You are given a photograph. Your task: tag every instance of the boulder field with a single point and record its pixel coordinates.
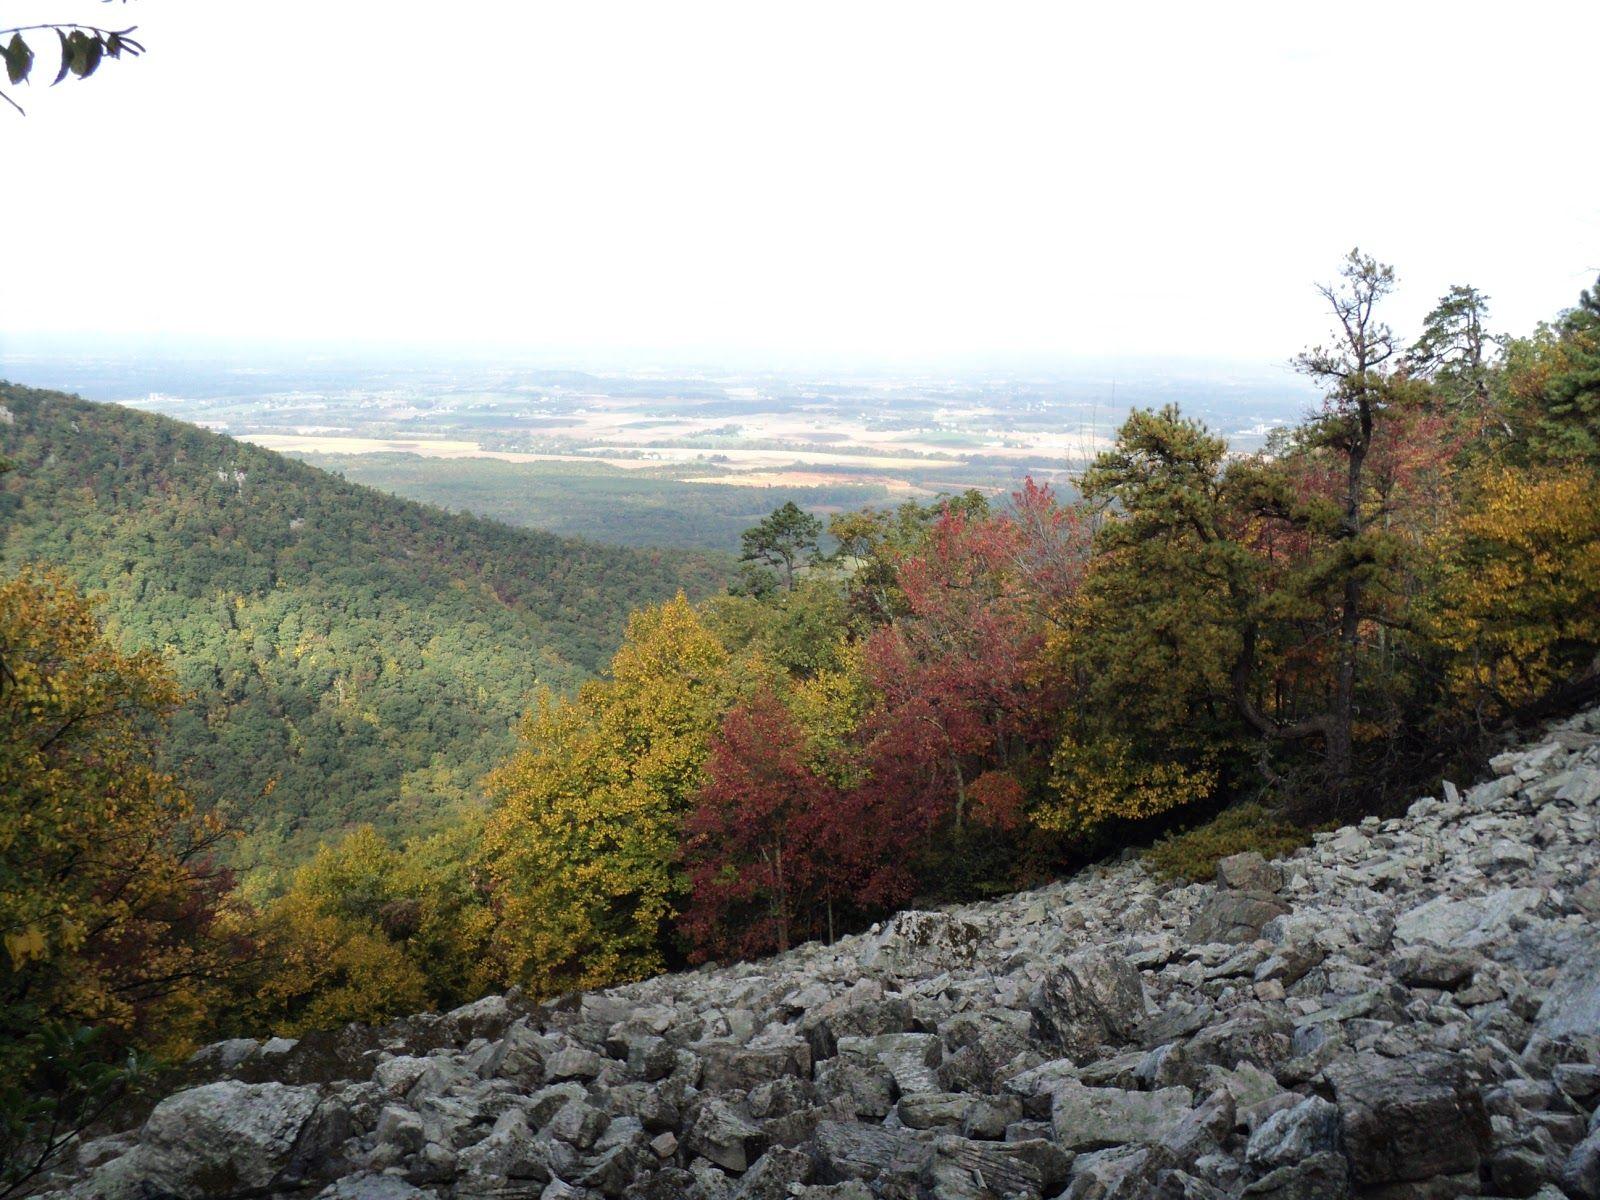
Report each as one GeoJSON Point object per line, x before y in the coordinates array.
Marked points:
{"type": "Point", "coordinates": [1407, 1008]}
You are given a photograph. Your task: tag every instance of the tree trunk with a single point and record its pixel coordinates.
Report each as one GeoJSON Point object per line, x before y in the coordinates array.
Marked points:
{"type": "Point", "coordinates": [1340, 750]}
{"type": "Point", "coordinates": [781, 902]}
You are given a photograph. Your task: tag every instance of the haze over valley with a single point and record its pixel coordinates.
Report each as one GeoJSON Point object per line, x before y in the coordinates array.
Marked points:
{"type": "Point", "coordinates": [669, 456]}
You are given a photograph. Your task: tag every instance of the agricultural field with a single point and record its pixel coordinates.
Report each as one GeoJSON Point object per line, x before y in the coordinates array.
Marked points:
{"type": "Point", "coordinates": [686, 458]}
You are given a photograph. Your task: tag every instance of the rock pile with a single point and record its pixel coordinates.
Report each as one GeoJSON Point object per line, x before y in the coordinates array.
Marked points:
{"type": "Point", "coordinates": [1406, 1009]}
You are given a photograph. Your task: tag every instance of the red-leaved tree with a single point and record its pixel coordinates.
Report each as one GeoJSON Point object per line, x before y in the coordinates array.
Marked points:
{"type": "Point", "coordinates": [776, 852]}
{"type": "Point", "coordinates": [959, 674]}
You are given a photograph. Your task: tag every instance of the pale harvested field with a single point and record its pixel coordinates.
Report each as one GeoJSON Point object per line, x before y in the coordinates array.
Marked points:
{"type": "Point", "coordinates": [457, 448]}
{"type": "Point", "coordinates": [802, 478]}
{"type": "Point", "coordinates": [291, 443]}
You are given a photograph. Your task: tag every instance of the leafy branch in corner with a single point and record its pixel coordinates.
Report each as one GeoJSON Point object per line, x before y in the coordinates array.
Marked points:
{"type": "Point", "coordinates": [58, 1086]}
{"type": "Point", "coordinates": [83, 49]}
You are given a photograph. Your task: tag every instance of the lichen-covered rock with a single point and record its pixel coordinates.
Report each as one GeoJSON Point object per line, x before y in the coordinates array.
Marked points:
{"type": "Point", "coordinates": [1292, 1135]}
{"type": "Point", "coordinates": [1088, 1118]}
{"type": "Point", "coordinates": [1094, 998]}
{"type": "Point", "coordinates": [917, 943]}
{"type": "Point", "coordinates": [1233, 917]}
{"type": "Point", "coordinates": [723, 1135]}
{"type": "Point", "coordinates": [225, 1139]}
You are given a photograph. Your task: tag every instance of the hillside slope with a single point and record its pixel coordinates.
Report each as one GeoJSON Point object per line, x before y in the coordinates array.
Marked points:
{"type": "Point", "coordinates": [352, 656]}
{"type": "Point", "coordinates": [1408, 1009]}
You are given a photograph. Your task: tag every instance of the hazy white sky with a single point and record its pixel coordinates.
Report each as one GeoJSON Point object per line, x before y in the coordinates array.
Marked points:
{"type": "Point", "coordinates": [872, 178]}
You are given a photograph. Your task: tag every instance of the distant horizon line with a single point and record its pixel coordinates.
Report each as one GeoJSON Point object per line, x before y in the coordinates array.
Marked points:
{"type": "Point", "coordinates": [218, 350]}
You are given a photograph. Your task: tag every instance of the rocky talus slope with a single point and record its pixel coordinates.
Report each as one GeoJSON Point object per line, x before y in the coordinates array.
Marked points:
{"type": "Point", "coordinates": [1407, 1008]}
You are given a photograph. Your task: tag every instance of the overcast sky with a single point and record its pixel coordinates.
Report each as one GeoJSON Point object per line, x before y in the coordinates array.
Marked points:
{"type": "Point", "coordinates": [863, 178]}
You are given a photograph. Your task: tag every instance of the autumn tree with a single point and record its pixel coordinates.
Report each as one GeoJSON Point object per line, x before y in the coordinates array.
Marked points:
{"type": "Point", "coordinates": [870, 543]}
{"type": "Point", "coordinates": [581, 851]}
{"type": "Point", "coordinates": [368, 930]}
{"type": "Point", "coordinates": [752, 842]}
{"type": "Point", "coordinates": [955, 670]}
{"type": "Point", "coordinates": [115, 930]}
{"type": "Point", "coordinates": [800, 632]}
{"type": "Point", "coordinates": [1356, 369]}
{"type": "Point", "coordinates": [1152, 640]}
{"type": "Point", "coordinates": [1456, 351]}
{"type": "Point", "coordinates": [1570, 426]}
{"type": "Point", "coordinates": [109, 908]}
{"type": "Point", "coordinates": [1518, 603]}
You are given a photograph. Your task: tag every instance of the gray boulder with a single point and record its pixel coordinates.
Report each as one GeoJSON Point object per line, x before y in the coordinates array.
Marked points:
{"type": "Point", "coordinates": [846, 1151]}
{"type": "Point", "coordinates": [1580, 1177]}
{"type": "Point", "coordinates": [1467, 923]}
{"type": "Point", "coordinates": [225, 1139]}
{"type": "Point", "coordinates": [1292, 1135]}
{"type": "Point", "coordinates": [1234, 917]}
{"type": "Point", "coordinates": [1086, 1118]}
{"type": "Point", "coordinates": [723, 1135]}
{"type": "Point", "coordinates": [916, 943]}
{"type": "Point", "coordinates": [1320, 1177]}
{"type": "Point", "coordinates": [1095, 998]}
{"type": "Point", "coordinates": [1408, 1119]}
{"type": "Point", "coordinates": [1249, 872]}
{"type": "Point", "coordinates": [1572, 1009]}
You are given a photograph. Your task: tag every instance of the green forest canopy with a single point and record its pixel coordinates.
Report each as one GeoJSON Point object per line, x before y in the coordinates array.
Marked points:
{"type": "Point", "coordinates": [618, 505]}
{"type": "Point", "coordinates": [351, 657]}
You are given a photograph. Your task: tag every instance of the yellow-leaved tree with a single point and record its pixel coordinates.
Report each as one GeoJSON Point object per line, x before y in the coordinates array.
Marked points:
{"type": "Point", "coordinates": [111, 915]}
{"type": "Point", "coordinates": [581, 849]}
{"type": "Point", "coordinates": [367, 931]}
{"type": "Point", "coordinates": [1519, 600]}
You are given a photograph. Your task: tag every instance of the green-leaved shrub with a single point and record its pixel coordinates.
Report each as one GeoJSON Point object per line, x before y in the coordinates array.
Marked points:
{"type": "Point", "coordinates": [1193, 854]}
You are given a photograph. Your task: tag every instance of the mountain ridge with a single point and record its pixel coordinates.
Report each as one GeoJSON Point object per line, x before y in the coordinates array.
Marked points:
{"type": "Point", "coordinates": [354, 656]}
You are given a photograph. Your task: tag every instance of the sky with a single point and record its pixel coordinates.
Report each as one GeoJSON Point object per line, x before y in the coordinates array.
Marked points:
{"type": "Point", "coordinates": [871, 179]}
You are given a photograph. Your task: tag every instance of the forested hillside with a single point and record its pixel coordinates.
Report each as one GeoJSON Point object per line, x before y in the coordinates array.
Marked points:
{"type": "Point", "coordinates": [351, 657]}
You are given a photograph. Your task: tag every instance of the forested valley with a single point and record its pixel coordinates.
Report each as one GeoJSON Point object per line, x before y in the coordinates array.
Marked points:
{"type": "Point", "coordinates": [1203, 652]}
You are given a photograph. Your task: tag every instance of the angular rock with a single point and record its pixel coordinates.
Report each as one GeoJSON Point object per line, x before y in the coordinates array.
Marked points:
{"type": "Point", "coordinates": [918, 943]}
{"type": "Point", "coordinates": [1467, 923]}
{"type": "Point", "coordinates": [1429, 966]}
{"type": "Point", "coordinates": [1294, 1134]}
{"type": "Point", "coordinates": [1572, 1008]}
{"type": "Point", "coordinates": [929, 1110]}
{"type": "Point", "coordinates": [720, 1133]}
{"type": "Point", "coordinates": [1408, 1119]}
{"type": "Point", "coordinates": [1119, 1173]}
{"type": "Point", "coordinates": [222, 1140]}
{"type": "Point", "coordinates": [774, 1176]}
{"type": "Point", "coordinates": [1580, 1175]}
{"type": "Point", "coordinates": [865, 1089]}
{"type": "Point", "coordinates": [1086, 1118]}
{"type": "Point", "coordinates": [1234, 917]}
{"type": "Point", "coordinates": [959, 1169]}
{"type": "Point", "coordinates": [863, 1011]}
{"type": "Point", "coordinates": [1320, 1177]}
{"type": "Point", "coordinates": [850, 1151]}
{"type": "Point", "coordinates": [1095, 998]}
{"type": "Point", "coordinates": [1249, 872]}
{"type": "Point", "coordinates": [910, 1058]}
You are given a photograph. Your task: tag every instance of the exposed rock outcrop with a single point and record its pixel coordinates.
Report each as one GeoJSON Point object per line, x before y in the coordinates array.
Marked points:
{"type": "Point", "coordinates": [1406, 1009]}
